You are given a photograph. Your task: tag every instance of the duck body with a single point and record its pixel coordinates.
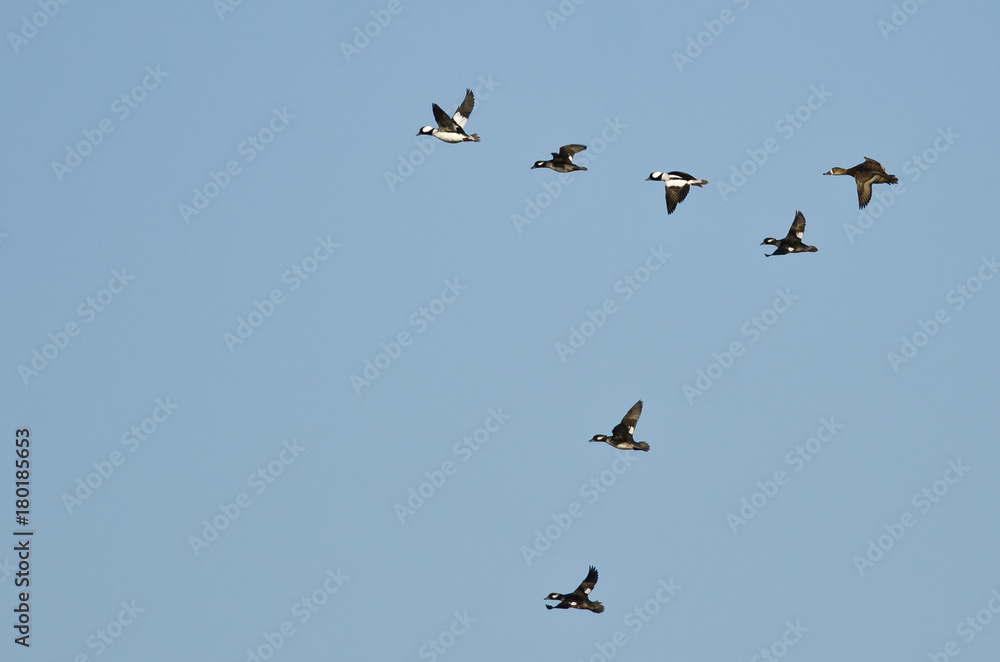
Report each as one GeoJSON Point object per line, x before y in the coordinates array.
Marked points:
{"type": "Point", "coordinates": [677, 185]}
{"type": "Point", "coordinates": [865, 174]}
{"type": "Point", "coordinates": [578, 599]}
{"type": "Point", "coordinates": [792, 242]}
{"type": "Point", "coordinates": [562, 161]}
{"type": "Point", "coordinates": [452, 129]}
{"type": "Point", "coordinates": [621, 436]}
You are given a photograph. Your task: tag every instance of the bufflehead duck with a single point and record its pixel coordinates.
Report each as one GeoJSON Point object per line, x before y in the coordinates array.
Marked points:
{"type": "Point", "coordinates": [677, 184]}
{"type": "Point", "coordinates": [563, 161]}
{"type": "Point", "coordinates": [792, 243]}
{"type": "Point", "coordinates": [578, 599]}
{"type": "Point", "coordinates": [621, 436]}
{"type": "Point", "coordinates": [452, 129]}
{"type": "Point", "coordinates": [865, 174]}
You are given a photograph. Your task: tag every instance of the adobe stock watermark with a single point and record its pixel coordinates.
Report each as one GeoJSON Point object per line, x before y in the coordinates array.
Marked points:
{"type": "Point", "coordinates": [923, 501]}
{"type": "Point", "coordinates": [562, 12]}
{"type": "Point", "coordinates": [883, 197]}
{"type": "Point", "coordinates": [636, 620]}
{"type": "Point", "coordinates": [779, 647]}
{"type": "Point", "coordinates": [969, 628]}
{"type": "Point", "coordinates": [958, 296]}
{"type": "Point", "coordinates": [302, 610]}
{"type": "Point", "coordinates": [898, 17]}
{"type": "Point", "coordinates": [625, 288]}
{"type": "Point", "coordinates": [592, 490]}
{"type": "Point", "coordinates": [131, 439]}
{"type": "Point", "coordinates": [363, 35]}
{"type": "Point", "coordinates": [426, 146]}
{"type": "Point", "coordinates": [786, 126]}
{"type": "Point", "coordinates": [250, 148]}
{"type": "Point", "coordinates": [553, 188]}
{"type": "Point", "coordinates": [122, 107]}
{"type": "Point", "coordinates": [753, 329]}
{"type": "Point", "coordinates": [465, 448]}
{"type": "Point", "coordinates": [440, 644]}
{"type": "Point", "coordinates": [293, 277]}
{"type": "Point", "coordinates": [768, 488]}
{"type": "Point", "coordinates": [37, 21]}
{"type": "Point", "coordinates": [223, 7]}
{"type": "Point", "coordinates": [87, 310]}
{"type": "Point", "coordinates": [104, 638]}
{"type": "Point", "coordinates": [705, 38]}
{"type": "Point", "coordinates": [259, 481]}
{"type": "Point", "coordinates": [420, 319]}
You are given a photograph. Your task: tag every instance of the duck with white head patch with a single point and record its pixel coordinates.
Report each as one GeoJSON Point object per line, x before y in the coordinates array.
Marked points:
{"type": "Point", "coordinates": [562, 161]}
{"type": "Point", "coordinates": [621, 435]}
{"type": "Point", "coordinates": [792, 243]}
{"type": "Point", "coordinates": [452, 129]}
{"type": "Point", "coordinates": [677, 185]}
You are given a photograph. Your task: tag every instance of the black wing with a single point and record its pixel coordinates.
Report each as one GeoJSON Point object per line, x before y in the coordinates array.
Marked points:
{"type": "Point", "coordinates": [566, 152]}
{"type": "Point", "coordinates": [675, 195]}
{"type": "Point", "coordinates": [461, 115]}
{"type": "Point", "coordinates": [588, 584]}
{"type": "Point", "coordinates": [798, 227]}
{"type": "Point", "coordinates": [632, 417]}
{"type": "Point", "coordinates": [445, 123]}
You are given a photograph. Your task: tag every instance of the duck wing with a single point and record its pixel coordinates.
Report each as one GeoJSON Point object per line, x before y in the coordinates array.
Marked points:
{"type": "Point", "coordinates": [444, 122]}
{"type": "Point", "coordinates": [676, 192]}
{"type": "Point", "coordinates": [632, 417]}
{"type": "Point", "coordinates": [798, 227]}
{"type": "Point", "coordinates": [588, 584]}
{"type": "Point", "coordinates": [461, 115]}
{"type": "Point", "coordinates": [566, 152]}
{"type": "Point", "coordinates": [872, 164]}
{"type": "Point", "coordinates": [865, 181]}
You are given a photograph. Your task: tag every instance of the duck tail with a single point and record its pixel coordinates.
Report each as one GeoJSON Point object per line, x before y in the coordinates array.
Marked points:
{"type": "Point", "coordinates": [474, 137]}
{"type": "Point", "coordinates": [698, 182]}
{"type": "Point", "coordinates": [642, 446]}
{"type": "Point", "coordinates": [597, 608]}
{"type": "Point", "coordinates": [891, 179]}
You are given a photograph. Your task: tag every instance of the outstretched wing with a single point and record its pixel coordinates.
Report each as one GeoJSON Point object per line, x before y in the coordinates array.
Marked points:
{"type": "Point", "coordinates": [567, 151]}
{"type": "Point", "coordinates": [798, 227]}
{"type": "Point", "coordinates": [632, 417]}
{"type": "Point", "coordinates": [461, 115]}
{"type": "Point", "coordinates": [588, 584]}
{"type": "Point", "coordinates": [675, 194]}
{"type": "Point", "coordinates": [865, 188]}
{"type": "Point", "coordinates": [444, 122]}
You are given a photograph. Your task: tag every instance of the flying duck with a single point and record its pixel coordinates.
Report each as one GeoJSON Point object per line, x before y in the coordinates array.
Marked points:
{"type": "Point", "coordinates": [578, 599]}
{"type": "Point", "coordinates": [452, 129]}
{"type": "Point", "coordinates": [677, 184]}
{"type": "Point", "coordinates": [621, 436]}
{"type": "Point", "coordinates": [865, 174]}
{"type": "Point", "coordinates": [792, 243]}
{"type": "Point", "coordinates": [563, 161]}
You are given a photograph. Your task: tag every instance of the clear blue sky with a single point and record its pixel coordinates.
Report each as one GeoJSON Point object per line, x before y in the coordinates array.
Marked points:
{"type": "Point", "coordinates": [240, 292]}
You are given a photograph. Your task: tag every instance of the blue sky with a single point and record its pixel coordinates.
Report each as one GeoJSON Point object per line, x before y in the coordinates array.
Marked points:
{"type": "Point", "coordinates": [303, 385]}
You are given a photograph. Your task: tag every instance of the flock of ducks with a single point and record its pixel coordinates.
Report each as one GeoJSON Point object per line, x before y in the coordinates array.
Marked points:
{"type": "Point", "coordinates": [677, 184]}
